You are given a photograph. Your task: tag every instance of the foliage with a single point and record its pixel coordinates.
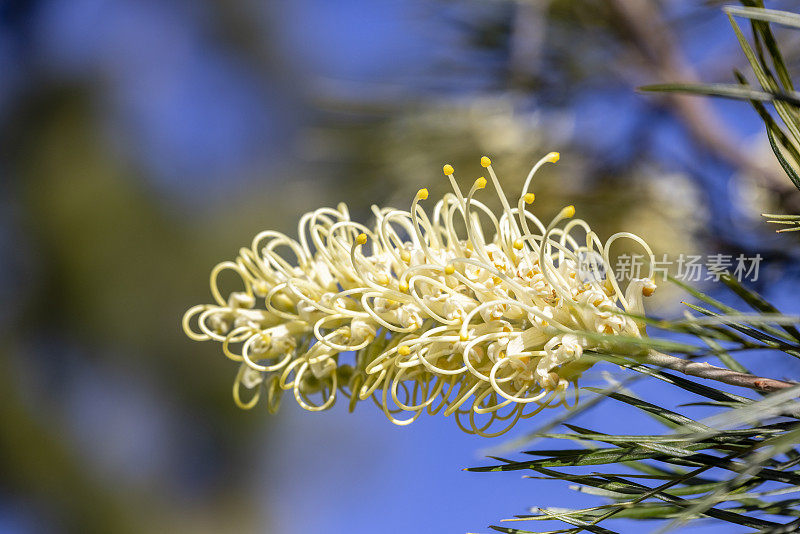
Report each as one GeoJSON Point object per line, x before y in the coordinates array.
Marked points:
{"type": "Point", "coordinates": [737, 466]}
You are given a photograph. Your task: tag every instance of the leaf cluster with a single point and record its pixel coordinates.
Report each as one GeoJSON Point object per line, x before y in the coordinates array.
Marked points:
{"type": "Point", "coordinates": [738, 466]}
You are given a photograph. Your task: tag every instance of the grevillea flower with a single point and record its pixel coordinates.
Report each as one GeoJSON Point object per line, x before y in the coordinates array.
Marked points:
{"type": "Point", "coordinates": [423, 312]}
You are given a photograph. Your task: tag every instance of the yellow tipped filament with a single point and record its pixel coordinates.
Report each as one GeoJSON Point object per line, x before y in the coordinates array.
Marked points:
{"type": "Point", "coordinates": [361, 239]}
{"type": "Point", "coordinates": [553, 157]}
{"type": "Point", "coordinates": [403, 350]}
{"type": "Point", "coordinates": [529, 198]}
{"type": "Point", "coordinates": [422, 194]}
{"type": "Point", "coordinates": [405, 256]}
{"type": "Point", "coordinates": [485, 161]}
{"type": "Point", "coordinates": [448, 170]}
{"type": "Point", "coordinates": [449, 269]}
{"type": "Point", "coordinates": [569, 211]}
{"type": "Point", "coordinates": [480, 183]}
{"type": "Point", "coordinates": [403, 287]}
{"type": "Point", "coordinates": [518, 244]}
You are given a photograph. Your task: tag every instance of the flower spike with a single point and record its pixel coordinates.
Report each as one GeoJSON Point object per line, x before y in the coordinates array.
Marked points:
{"type": "Point", "coordinates": [487, 325]}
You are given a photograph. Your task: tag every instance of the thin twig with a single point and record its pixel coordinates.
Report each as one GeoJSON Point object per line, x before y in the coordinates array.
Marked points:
{"type": "Point", "coordinates": [712, 372]}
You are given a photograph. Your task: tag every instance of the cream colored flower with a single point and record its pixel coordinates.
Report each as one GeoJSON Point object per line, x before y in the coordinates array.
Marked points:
{"type": "Point", "coordinates": [423, 311]}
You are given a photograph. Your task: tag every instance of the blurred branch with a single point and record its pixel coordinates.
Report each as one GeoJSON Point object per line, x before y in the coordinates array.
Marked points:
{"type": "Point", "coordinates": [655, 42]}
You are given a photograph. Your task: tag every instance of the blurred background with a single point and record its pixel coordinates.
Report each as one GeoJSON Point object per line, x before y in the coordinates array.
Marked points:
{"type": "Point", "coordinates": [143, 141]}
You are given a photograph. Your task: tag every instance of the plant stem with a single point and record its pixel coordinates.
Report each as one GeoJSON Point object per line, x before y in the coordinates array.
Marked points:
{"type": "Point", "coordinates": [712, 372]}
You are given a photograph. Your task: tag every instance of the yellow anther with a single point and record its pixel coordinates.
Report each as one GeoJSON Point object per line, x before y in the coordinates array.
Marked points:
{"type": "Point", "coordinates": [496, 280]}
{"type": "Point", "coordinates": [266, 338]}
{"type": "Point", "coordinates": [403, 350]}
{"type": "Point", "coordinates": [403, 287]}
{"type": "Point", "coordinates": [480, 183]}
{"type": "Point", "coordinates": [448, 170]}
{"type": "Point", "coordinates": [648, 291]}
{"type": "Point", "coordinates": [422, 194]}
{"type": "Point", "coordinates": [529, 198]}
{"type": "Point", "coordinates": [569, 211]}
{"type": "Point", "coordinates": [361, 239]}
{"type": "Point", "coordinates": [485, 161]}
{"type": "Point", "coordinates": [382, 279]}
{"type": "Point", "coordinates": [260, 288]}
{"type": "Point", "coordinates": [552, 157]}
{"type": "Point", "coordinates": [449, 269]}
{"type": "Point", "coordinates": [463, 337]}
{"type": "Point", "coordinates": [518, 244]}
{"type": "Point", "coordinates": [405, 256]}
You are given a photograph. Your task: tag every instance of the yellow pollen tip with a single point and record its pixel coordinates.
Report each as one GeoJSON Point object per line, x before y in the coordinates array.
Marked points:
{"type": "Point", "coordinates": [449, 269]}
{"type": "Point", "coordinates": [422, 194]}
{"type": "Point", "coordinates": [569, 211]}
{"type": "Point", "coordinates": [405, 256]}
{"type": "Point", "coordinates": [403, 350]}
{"type": "Point", "coordinates": [485, 161]}
{"type": "Point", "coordinates": [448, 170]}
{"type": "Point", "coordinates": [648, 291]}
{"type": "Point", "coordinates": [529, 198]}
{"type": "Point", "coordinates": [518, 244]}
{"type": "Point", "coordinates": [552, 157]}
{"type": "Point", "coordinates": [361, 239]}
{"type": "Point", "coordinates": [403, 287]}
{"type": "Point", "coordinates": [463, 337]}
{"type": "Point", "coordinates": [480, 183]}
